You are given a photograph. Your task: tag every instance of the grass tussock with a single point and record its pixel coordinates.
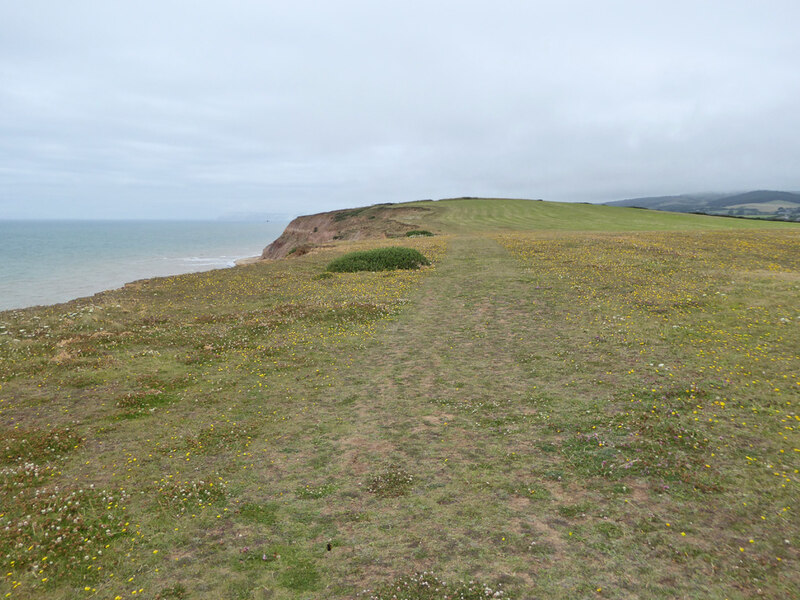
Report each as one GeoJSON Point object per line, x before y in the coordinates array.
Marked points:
{"type": "Point", "coordinates": [20, 445]}
{"type": "Point", "coordinates": [187, 496]}
{"type": "Point", "coordinates": [379, 259]}
{"type": "Point", "coordinates": [427, 586]}
{"type": "Point", "coordinates": [54, 533]}
{"type": "Point", "coordinates": [391, 482]}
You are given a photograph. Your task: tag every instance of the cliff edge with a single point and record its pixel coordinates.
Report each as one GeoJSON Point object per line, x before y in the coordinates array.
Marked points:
{"type": "Point", "coordinates": [369, 222]}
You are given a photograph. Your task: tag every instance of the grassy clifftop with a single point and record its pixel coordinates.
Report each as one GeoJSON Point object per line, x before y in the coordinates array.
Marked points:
{"type": "Point", "coordinates": [461, 215]}
{"type": "Point", "coordinates": [569, 402]}
{"type": "Point", "coordinates": [482, 214]}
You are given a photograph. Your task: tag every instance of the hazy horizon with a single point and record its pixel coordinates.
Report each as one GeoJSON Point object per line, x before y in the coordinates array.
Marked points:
{"type": "Point", "coordinates": [286, 218]}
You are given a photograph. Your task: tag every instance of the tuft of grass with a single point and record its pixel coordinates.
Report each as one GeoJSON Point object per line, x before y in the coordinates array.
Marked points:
{"type": "Point", "coordinates": [59, 533]}
{"type": "Point", "coordinates": [23, 475]}
{"type": "Point", "coordinates": [572, 511]}
{"type": "Point", "coordinates": [265, 514]}
{"type": "Point", "coordinates": [176, 592]}
{"type": "Point", "coordinates": [392, 482]}
{"type": "Point", "coordinates": [311, 492]}
{"type": "Point", "coordinates": [418, 233]}
{"type": "Point", "coordinates": [379, 259]}
{"type": "Point", "coordinates": [427, 586]}
{"type": "Point", "coordinates": [215, 438]}
{"type": "Point", "coordinates": [141, 404]}
{"type": "Point", "coordinates": [292, 567]}
{"type": "Point", "coordinates": [187, 496]}
{"type": "Point", "coordinates": [299, 575]}
{"type": "Point", "coordinates": [21, 445]}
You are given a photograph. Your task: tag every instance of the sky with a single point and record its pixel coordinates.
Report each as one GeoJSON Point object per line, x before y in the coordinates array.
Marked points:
{"type": "Point", "coordinates": [199, 108]}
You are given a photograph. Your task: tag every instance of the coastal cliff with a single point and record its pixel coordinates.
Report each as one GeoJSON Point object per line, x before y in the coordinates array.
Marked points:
{"type": "Point", "coordinates": [370, 222]}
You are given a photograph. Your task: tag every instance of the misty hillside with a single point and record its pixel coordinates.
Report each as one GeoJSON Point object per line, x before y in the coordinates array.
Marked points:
{"type": "Point", "coordinates": [757, 204]}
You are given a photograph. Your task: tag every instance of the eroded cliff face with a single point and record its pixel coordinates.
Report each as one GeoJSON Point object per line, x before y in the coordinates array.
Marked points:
{"type": "Point", "coordinates": [371, 222]}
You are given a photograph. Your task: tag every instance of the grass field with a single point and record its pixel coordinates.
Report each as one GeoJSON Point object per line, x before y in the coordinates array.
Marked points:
{"type": "Point", "coordinates": [570, 402]}
{"type": "Point", "coordinates": [469, 215]}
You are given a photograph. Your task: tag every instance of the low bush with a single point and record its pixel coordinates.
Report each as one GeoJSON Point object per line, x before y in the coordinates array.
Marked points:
{"type": "Point", "coordinates": [380, 259]}
{"type": "Point", "coordinates": [418, 233]}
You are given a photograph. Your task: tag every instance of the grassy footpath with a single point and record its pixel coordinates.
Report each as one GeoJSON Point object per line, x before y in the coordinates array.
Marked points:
{"type": "Point", "coordinates": [547, 415]}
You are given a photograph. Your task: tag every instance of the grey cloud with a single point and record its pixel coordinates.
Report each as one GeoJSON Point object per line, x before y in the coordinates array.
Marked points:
{"type": "Point", "coordinates": [198, 108]}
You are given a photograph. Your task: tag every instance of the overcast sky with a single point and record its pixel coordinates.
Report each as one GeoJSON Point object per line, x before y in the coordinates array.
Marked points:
{"type": "Point", "coordinates": [193, 109]}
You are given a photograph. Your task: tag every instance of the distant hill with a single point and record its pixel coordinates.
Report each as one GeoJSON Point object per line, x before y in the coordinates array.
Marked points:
{"type": "Point", "coordinates": [764, 204]}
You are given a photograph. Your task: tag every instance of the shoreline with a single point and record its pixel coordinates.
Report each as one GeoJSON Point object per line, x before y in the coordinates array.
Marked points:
{"type": "Point", "coordinates": [238, 262]}
{"type": "Point", "coordinates": [248, 260]}
{"type": "Point", "coordinates": [46, 264]}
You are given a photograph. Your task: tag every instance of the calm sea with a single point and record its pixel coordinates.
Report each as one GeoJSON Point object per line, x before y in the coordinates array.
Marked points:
{"type": "Point", "coordinates": [44, 262]}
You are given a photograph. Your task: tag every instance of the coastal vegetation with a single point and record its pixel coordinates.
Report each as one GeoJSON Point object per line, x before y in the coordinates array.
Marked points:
{"type": "Point", "coordinates": [378, 259]}
{"type": "Point", "coordinates": [571, 401]}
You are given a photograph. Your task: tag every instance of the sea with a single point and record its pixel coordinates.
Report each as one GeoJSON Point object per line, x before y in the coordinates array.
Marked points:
{"type": "Point", "coordinates": [47, 262]}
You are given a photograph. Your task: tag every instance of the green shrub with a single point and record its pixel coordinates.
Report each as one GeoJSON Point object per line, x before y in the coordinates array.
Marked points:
{"type": "Point", "coordinates": [380, 259]}
{"type": "Point", "coordinates": [418, 233]}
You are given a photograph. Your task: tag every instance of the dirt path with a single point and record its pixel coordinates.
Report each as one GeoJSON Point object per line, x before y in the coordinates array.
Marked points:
{"type": "Point", "coordinates": [450, 398]}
